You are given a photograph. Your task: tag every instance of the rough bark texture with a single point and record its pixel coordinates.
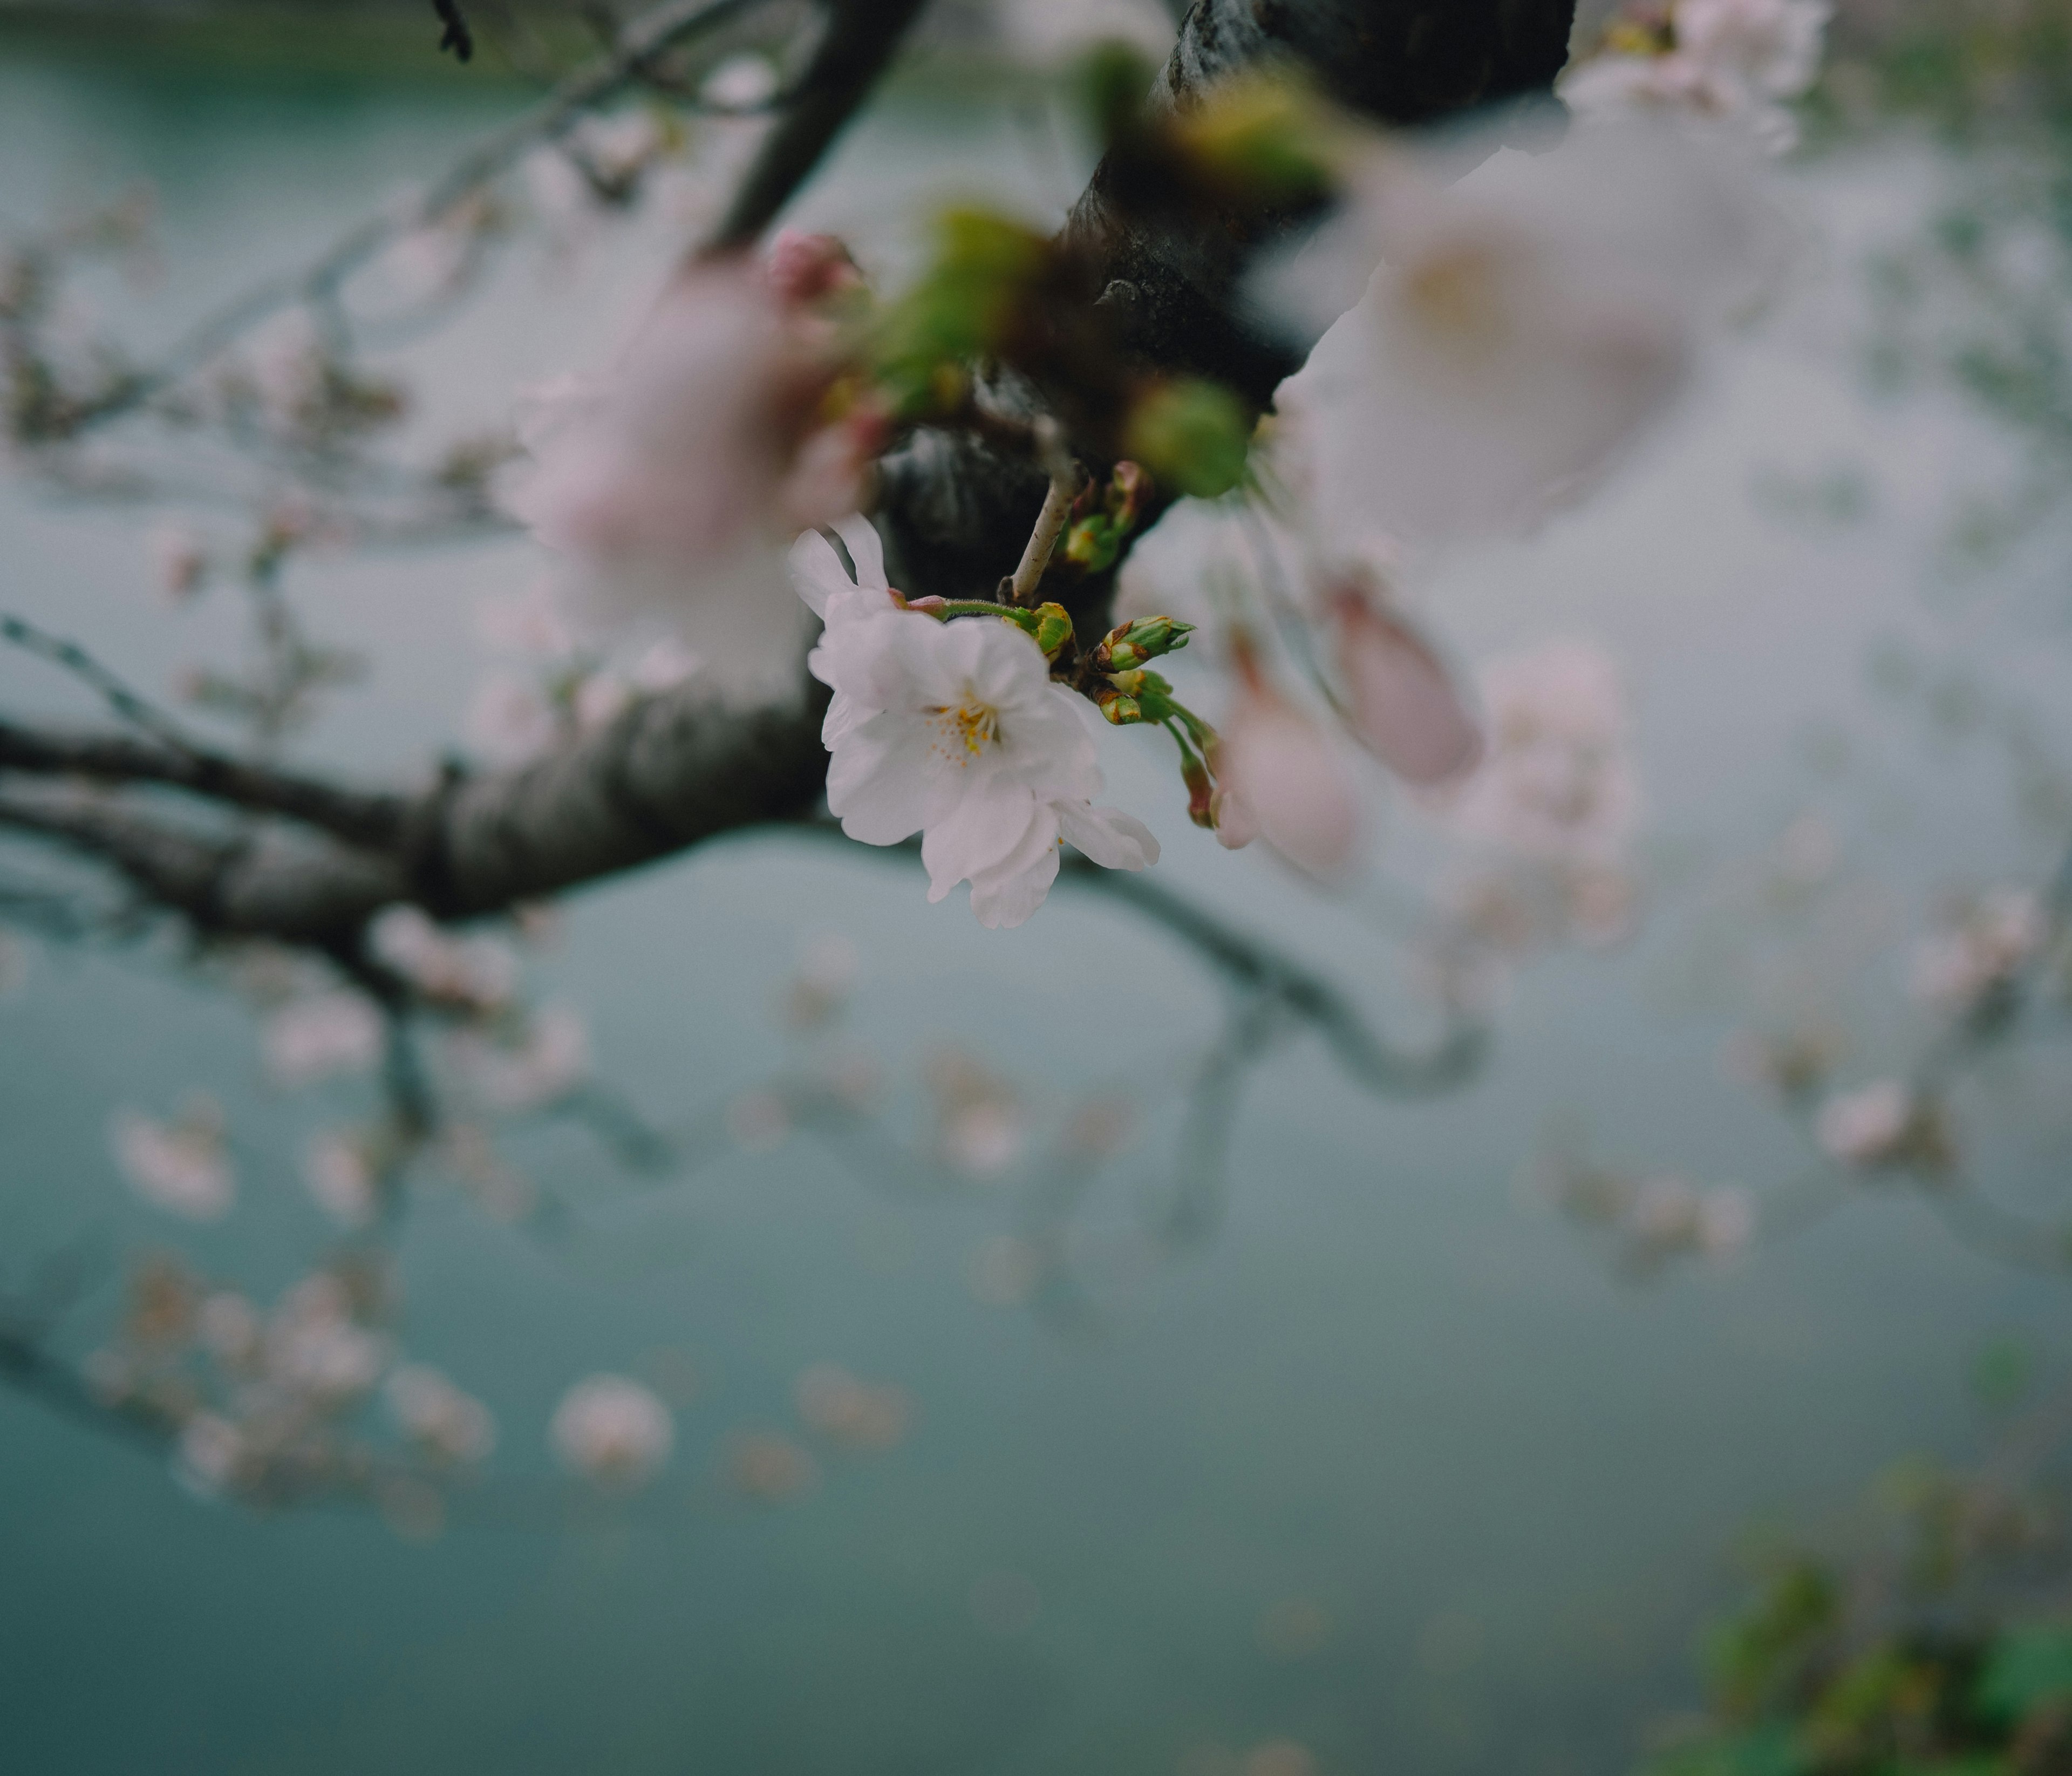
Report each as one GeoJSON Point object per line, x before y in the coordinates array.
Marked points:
{"type": "Point", "coordinates": [675, 770]}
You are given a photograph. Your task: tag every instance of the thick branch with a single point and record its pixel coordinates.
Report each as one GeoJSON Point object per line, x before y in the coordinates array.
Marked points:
{"type": "Point", "coordinates": [672, 771]}
{"type": "Point", "coordinates": [360, 817]}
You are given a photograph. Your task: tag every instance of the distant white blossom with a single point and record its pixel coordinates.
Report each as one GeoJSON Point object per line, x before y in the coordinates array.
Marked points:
{"type": "Point", "coordinates": [1987, 944]}
{"type": "Point", "coordinates": [315, 1346]}
{"type": "Point", "coordinates": [209, 1455]}
{"type": "Point", "coordinates": [528, 623]}
{"type": "Point", "coordinates": [1868, 1127]}
{"type": "Point", "coordinates": [179, 560]}
{"type": "Point", "coordinates": [183, 1167]}
{"type": "Point", "coordinates": [447, 1423]}
{"type": "Point", "coordinates": [541, 1060]}
{"type": "Point", "coordinates": [476, 972]}
{"type": "Point", "coordinates": [316, 1037]}
{"type": "Point", "coordinates": [341, 1176]}
{"type": "Point", "coordinates": [613, 1430]}
{"type": "Point", "coordinates": [228, 1327]}
{"type": "Point", "coordinates": [1558, 781]}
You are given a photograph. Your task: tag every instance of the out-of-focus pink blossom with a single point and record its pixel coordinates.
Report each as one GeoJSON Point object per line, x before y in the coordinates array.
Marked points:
{"type": "Point", "coordinates": [1530, 317]}
{"type": "Point", "coordinates": [613, 1430]}
{"type": "Point", "coordinates": [1279, 776]}
{"type": "Point", "coordinates": [1404, 706]}
{"type": "Point", "coordinates": [183, 1167]}
{"type": "Point", "coordinates": [674, 485]}
{"type": "Point", "coordinates": [179, 561]}
{"type": "Point", "coordinates": [313, 1038]}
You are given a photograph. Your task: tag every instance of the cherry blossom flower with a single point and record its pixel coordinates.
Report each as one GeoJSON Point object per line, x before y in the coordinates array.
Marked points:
{"type": "Point", "coordinates": [1989, 944]}
{"type": "Point", "coordinates": [1279, 777]}
{"type": "Point", "coordinates": [209, 1454]}
{"type": "Point", "coordinates": [341, 1178]}
{"type": "Point", "coordinates": [182, 1167]}
{"type": "Point", "coordinates": [672, 485]}
{"type": "Point", "coordinates": [543, 1059]}
{"type": "Point", "coordinates": [768, 1466]}
{"type": "Point", "coordinates": [605, 695]}
{"type": "Point", "coordinates": [448, 1424]}
{"type": "Point", "coordinates": [1772, 46]}
{"type": "Point", "coordinates": [954, 731]}
{"type": "Point", "coordinates": [1558, 783]}
{"type": "Point", "coordinates": [1872, 1126]}
{"type": "Point", "coordinates": [229, 1329]}
{"type": "Point", "coordinates": [179, 561]}
{"type": "Point", "coordinates": [1402, 704]}
{"type": "Point", "coordinates": [613, 1430]}
{"type": "Point", "coordinates": [473, 973]}
{"type": "Point", "coordinates": [857, 1415]}
{"type": "Point", "coordinates": [316, 1037]}
{"type": "Point", "coordinates": [315, 1347]}
{"type": "Point", "coordinates": [1529, 320]}
{"type": "Point", "coordinates": [1727, 61]}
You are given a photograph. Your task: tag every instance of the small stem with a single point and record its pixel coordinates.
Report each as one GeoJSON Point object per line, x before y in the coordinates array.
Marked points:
{"type": "Point", "coordinates": [1050, 522]}
{"type": "Point", "coordinates": [970, 607]}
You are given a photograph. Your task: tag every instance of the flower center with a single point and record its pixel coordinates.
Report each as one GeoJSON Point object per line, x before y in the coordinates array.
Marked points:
{"type": "Point", "coordinates": [966, 729]}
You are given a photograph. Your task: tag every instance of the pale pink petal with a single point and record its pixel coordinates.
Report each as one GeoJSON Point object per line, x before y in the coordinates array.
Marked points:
{"type": "Point", "coordinates": [1404, 709]}
{"type": "Point", "coordinates": [1107, 836]}
{"type": "Point", "coordinates": [1281, 766]}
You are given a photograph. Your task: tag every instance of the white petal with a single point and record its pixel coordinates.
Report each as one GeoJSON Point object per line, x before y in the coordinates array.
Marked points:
{"type": "Point", "coordinates": [881, 780]}
{"type": "Point", "coordinates": [816, 572]}
{"type": "Point", "coordinates": [861, 539]}
{"type": "Point", "coordinates": [990, 824]}
{"type": "Point", "coordinates": [1005, 896]}
{"type": "Point", "coordinates": [1110, 838]}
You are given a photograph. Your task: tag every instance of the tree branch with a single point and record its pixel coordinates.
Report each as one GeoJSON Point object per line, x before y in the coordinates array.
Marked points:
{"type": "Point", "coordinates": [862, 37]}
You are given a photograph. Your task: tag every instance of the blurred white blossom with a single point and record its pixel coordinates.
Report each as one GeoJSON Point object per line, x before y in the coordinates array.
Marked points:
{"type": "Point", "coordinates": [510, 721]}
{"type": "Point", "coordinates": [342, 1177]}
{"type": "Point", "coordinates": [1558, 781]}
{"type": "Point", "coordinates": [474, 972]}
{"type": "Point", "coordinates": [449, 1425]}
{"type": "Point", "coordinates": [315, 1038]}
{"type": "Point", "coordinates": [183, 1167]}
{"type": "Point", "coordinates": [1871, 1126]}
{"type": "Point", "coordinates": [1528, 319]}
{"type": "Point", "coordinates": [542, 1058]}
{"type": "Point", "coordinates": [671, 487]}
{"type": "Point", "coordinates": [1985, 945]}
{"type": "Point", "coordinates": [1724, 61]}
{"type": "Point", "coordinates": [613, 1430]}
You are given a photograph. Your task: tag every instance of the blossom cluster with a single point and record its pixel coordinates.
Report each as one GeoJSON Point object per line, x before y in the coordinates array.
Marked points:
{"type": "Point", "coordinates": [1497, 329]}
{"type": "Point", "coordinates": [1732, 62]}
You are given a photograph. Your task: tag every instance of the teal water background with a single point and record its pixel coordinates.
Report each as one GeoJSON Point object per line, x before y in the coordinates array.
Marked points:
{"type": "Point", "coordinates": [1509, 1480]}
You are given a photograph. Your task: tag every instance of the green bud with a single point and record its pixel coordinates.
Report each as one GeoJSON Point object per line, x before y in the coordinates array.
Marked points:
{"type": "Point", "coordinates": [1140, 639]}
{"type": "Point", "coordinates": [1048, 626]}
{"type": "Point", "coordinates": [1052, 630]}
{"type": "Point", "coordinates": [1192, 434]}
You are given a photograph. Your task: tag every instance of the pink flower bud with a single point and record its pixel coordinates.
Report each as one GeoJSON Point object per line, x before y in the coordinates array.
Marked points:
{"type": "Point", "coordinates": [1405, 709]}
{"type": "Point", "coordinates": [802, 268]}
{"type": "Point", "coordinates": [1280, 778]}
